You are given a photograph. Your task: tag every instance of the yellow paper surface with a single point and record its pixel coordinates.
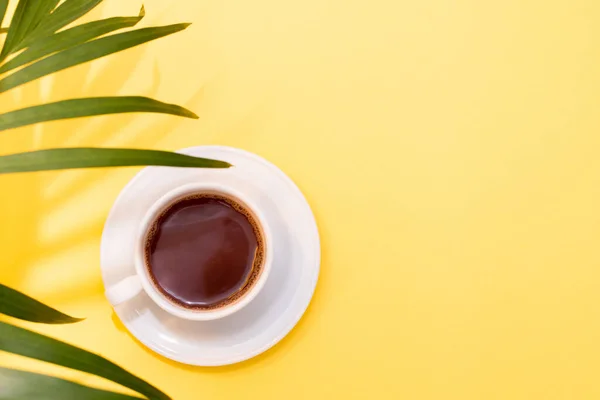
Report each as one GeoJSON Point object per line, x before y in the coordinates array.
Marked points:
{"type": "Point", "coordinates": [449, 149]}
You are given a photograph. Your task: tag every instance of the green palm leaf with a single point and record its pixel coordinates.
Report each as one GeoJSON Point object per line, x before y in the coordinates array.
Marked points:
{"type": "Point", "coordinates": [86, 52]}
{"type": "Point", "coordinates": [38, 11]}
{"type": "Point", "coordinates": [3, 7]}
{"type": "Point", "coordinates": [30, 344]}
{"type": "Point", "coordinates": [28, 15]}
{"type": "Point", "coordinates": [55, 159]}
{"type": "Point", "coordinates": [21, 306]}
{"type": "Point", "coordinates": [69, 38]}
{"type": "Point", "coordinates": [21, 385]}
{"type": "Point", "coordinates": [88, 107]}
{"type": "Point", "coordinates": [66, 13]}
{"type": "Point", "coordinates": [15, 27]}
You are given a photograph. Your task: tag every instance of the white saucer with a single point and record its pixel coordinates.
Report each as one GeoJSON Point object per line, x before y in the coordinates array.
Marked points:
{"type": "Point", "coordinates": [277, 308]}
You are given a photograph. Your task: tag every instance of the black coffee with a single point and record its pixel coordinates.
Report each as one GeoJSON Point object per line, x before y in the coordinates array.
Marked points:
{"type": "Point", "coordinates": [204, 251]}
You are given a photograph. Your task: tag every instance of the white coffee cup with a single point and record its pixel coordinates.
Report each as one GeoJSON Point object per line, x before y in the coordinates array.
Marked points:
{"type": "Point", "coordinates": [131, 286]}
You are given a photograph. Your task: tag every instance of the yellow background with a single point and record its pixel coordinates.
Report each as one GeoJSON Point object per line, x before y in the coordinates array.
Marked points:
{"type": "Point", "coordinates": [449, 149]}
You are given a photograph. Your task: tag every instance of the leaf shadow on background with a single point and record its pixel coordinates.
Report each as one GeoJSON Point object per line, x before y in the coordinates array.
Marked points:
{"type": "Point", "coordinates": [74, 190]}
{"type": "Point", "coordinates": [120, 69]}
{"type": "Point", "coordinates": [64, 186]}
{"type": "Point", "coordinates": [11, 212]}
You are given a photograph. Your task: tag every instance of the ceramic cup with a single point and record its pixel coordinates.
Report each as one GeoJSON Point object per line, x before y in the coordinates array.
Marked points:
{"type": "Point", "coordinates": [131, 286]}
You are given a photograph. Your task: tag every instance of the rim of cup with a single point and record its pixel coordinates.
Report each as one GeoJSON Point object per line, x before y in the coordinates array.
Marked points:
{"type": "Point", "coordinates": [143, 273]}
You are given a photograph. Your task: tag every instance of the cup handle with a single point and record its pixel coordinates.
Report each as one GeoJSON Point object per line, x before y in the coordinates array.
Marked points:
{"type": "Point", "coordinates": [123, 291]}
